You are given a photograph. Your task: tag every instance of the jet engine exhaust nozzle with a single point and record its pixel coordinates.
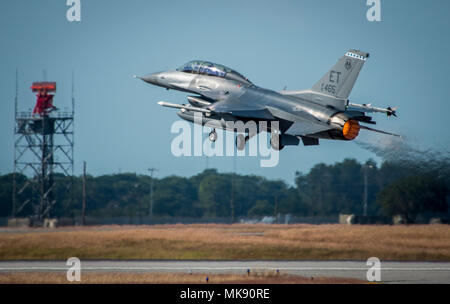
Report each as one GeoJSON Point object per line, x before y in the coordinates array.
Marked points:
{"type": "Point", "coordinates": [351, 129]}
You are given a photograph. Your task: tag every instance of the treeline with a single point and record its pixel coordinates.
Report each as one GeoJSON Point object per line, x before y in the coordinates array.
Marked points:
{"type": "Point", "coordinates": [410, 190]}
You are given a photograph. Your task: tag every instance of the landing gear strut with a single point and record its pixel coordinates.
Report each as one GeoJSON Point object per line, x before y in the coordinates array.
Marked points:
{"type": "Point", "coordinates": [213, 135]}
{"type": "Point", "coordinates": [275, 141]}
{"type": "Point", "coordinates": [241, 140]}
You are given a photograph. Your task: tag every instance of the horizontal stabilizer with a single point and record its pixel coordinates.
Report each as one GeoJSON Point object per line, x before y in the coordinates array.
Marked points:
{"type": "Point", "coordinates": [379, 131]}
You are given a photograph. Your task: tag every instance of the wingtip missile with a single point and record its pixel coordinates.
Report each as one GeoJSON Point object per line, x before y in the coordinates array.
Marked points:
{"type": "Point", "coordinates": [391, 111]}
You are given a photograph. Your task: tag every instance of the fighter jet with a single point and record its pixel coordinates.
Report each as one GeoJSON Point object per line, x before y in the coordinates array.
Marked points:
{"type": "Point", "coordinates": [220, 94]}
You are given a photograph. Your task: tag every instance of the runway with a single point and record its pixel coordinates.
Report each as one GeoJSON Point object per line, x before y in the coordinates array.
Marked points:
{"type": "Point", "coordinates": [391, 272]}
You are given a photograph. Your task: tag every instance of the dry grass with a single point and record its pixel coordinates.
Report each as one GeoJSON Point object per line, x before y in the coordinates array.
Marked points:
{"type": "Point", "coordinates": [230, 242]}
{"type": "Point", "coordinates": [160, 278]}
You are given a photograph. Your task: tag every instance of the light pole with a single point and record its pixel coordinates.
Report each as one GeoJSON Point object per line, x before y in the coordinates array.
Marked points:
{"type": "Point", "coordinates": [136, 195]}
{"type": "Point", "coordinates": [366, 190]}
{"type": "Point", "coordinates": [83, 208]}
{"type": "Point", "coordinates": [150, 210]}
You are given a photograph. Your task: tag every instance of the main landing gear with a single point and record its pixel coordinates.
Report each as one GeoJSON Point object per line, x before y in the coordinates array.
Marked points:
{"type": "Point", "coordinates": [275, 141]}
{"type": "Point", "coordinates": [213, 135]}
{"type": "Point", "coordinates": [241, 140]}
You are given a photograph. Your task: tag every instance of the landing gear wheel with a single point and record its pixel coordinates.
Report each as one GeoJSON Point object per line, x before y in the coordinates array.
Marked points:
{"type": "Point", "coordinates": [240, 142]}
{"type": "Point", "coordinates": [275, 143]}
{"type": "Point", "coordinates": [213, 135]}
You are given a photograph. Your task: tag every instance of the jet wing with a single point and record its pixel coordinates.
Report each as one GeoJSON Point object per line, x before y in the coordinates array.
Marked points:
{"type": "Point", "coordinates": [241, 110]}
{"type": "Point", "coordinates": [305, 128]}
{"type": "Point", "coordinates": [300, 126]}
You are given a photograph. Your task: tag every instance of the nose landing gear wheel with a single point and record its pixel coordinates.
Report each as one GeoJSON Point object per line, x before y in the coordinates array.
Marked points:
{"type": "Point", "coordinates": [213, 135]}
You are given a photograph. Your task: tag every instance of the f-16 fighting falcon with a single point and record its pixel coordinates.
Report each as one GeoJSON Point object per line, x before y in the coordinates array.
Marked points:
{"type": "Point", "coordinates": [222, 95]}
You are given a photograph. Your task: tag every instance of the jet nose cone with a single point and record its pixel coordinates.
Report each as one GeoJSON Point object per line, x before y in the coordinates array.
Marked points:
{"type": "Point", "coordinates": [152, 78]}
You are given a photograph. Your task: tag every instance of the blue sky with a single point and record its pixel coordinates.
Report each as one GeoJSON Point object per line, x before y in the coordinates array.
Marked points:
{"type": "Point", "coordinates": [119, 126]}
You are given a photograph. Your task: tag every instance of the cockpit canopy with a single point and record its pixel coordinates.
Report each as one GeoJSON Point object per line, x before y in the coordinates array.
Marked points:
{"type": "Point", "coordinates": [211, 69]}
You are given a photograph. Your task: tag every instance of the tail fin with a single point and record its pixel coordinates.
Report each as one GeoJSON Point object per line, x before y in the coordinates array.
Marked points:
{"type": "Point", "coordinates": [339, 81]}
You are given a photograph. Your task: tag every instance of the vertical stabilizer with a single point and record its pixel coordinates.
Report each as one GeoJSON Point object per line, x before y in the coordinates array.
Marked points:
{"type": "Point", "coordinates": [339, 80]}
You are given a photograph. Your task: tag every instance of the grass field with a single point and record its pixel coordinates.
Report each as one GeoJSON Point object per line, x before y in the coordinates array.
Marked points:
{"type": "Point", "coordinates": [230, 242]}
